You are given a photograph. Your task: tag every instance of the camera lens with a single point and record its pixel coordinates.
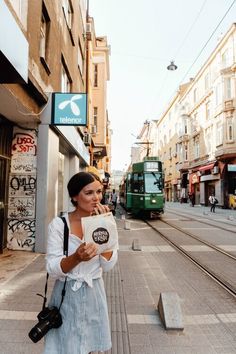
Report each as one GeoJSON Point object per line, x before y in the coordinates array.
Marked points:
{"type": "Point", "coordinates": [38, 331]}
{"type": "Point", "coordinates": [48, 318]}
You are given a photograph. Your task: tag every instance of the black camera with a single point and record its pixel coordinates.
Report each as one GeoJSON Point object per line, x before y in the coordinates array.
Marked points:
{"type": "Point", "coordinates": [48, 318]}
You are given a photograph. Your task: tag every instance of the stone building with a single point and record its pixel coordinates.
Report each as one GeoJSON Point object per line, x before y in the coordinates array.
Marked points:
{"type": "Point", "coordinates": [46, 55]}
{"type": "Point", "coordinates": [196, 135]}
{"type": "Point", "coordinates": [208, 121]}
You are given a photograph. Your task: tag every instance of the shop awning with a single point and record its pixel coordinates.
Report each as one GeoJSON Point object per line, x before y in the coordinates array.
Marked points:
{"type": "Point", "coordinates": [207, 167]}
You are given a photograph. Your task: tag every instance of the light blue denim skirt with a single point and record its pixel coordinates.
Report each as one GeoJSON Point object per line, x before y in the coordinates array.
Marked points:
{"type": "Point", "coordinates": [85, 326]}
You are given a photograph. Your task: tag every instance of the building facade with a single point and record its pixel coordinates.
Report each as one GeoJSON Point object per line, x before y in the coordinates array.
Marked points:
{"type": "Point", "coordinates": [37, 156]}
{"type": "Point", "coordinates": [197, 134]}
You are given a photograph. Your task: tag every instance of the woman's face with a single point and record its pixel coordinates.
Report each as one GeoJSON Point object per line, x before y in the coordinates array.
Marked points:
{"type": "Point", "coordinates": [89, 197]}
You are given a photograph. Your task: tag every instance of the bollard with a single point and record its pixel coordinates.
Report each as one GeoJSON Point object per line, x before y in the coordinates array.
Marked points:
{"type": "Point", "coordinates": [136, 246]}
{"type": "Point", "coordinates": [127, 225]}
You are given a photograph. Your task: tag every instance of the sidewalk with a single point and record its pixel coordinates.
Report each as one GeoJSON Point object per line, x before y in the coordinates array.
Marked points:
{"type": "Point", "coordinates": [133, 288]}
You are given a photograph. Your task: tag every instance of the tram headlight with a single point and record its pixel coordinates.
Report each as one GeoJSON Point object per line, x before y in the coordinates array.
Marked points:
{"type": "Point", "coordinates": [153, 201]}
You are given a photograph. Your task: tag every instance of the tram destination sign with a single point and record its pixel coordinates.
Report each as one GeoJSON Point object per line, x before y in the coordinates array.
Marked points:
{"type": "Point", "coordinates": [69, 109]}
{"type": "Point", "coordinates": [152, 166]}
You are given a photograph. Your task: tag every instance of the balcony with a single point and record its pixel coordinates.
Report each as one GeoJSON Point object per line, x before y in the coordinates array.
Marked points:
{"type": "Point", "coordinates": [229, 105]}
{"type": "Point", "coordinates": [183, 138]}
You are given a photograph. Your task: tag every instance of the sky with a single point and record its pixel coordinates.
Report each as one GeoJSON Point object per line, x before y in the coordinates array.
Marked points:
{"type": "Point", "coordinates": [145, 35]}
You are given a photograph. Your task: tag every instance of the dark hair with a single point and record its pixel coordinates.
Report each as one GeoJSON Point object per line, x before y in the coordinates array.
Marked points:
{"type": "Point", "coordinates": [78, 182]}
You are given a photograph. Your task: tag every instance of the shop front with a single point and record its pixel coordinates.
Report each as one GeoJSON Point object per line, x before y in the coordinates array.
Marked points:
{"type": "Point", "coordinates": [231, 182]}
{"type": "Point", "coordinates": [194, 186]}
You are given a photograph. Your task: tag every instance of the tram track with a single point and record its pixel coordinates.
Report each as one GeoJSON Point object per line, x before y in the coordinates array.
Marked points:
{"type": "Point", "coordinates": [193, 218]}
{"type": "Point", "coordinates": [227, 281]}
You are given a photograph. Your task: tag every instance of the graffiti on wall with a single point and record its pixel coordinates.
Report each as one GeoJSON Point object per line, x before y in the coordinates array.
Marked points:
{"type": "Point", "coordinates": [22, 190]}
{"type": "Point", "coordinates": [21, 233]}
{"type": "Point", "coordinates": [22, 185]}
{"type": "Point", "coordinates": [21, 207]}
{"type": "Point", "coordinates": [24, 151]}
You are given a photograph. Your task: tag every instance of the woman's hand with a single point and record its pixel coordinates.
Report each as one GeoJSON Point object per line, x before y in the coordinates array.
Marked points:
{"type": "Point", "coordinates": [100, 209]}
{"type": "Point", "coordinates": [86, 251]}
{"type": "Point", "coordinates": [107, 255]}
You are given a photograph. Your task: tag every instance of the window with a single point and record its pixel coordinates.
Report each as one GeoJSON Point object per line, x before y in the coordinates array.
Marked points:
{"type": "Point", "coordinates": [207, 81]}
{"type": "Point", "coordinates": [65, 81]}
{"type": "Point", "coordinates": [44, 35]}
{"type": "Point", "coordinates": [228, 93]}
{"type": "Point", "coordinates": [218, 94]}
{"type": "Point", "coordinates": [95, 82]}
{"type": "Point", "coordinates": [95, 116]}
{"type": "Point", "coordinates": [181, 152]}
{"type": "Point", "coordinates": [208, 110]}
{"type": "Point", "coordinates": [196, 147]}
{"type": "Point", "coordinates": [208, 140]}
{"type": "Point", "coordinates": [185, 152]}
{"type": "Point", "coordinates": [80, 59]}
{"type": "Point", "coordinates": [195, 95]}
{"type": "Point", "coordinates": [68, 12]}
{"type": "Point", "coordinates": [225, 59]}
{"type": "Point", "coordinates": [153, 182]}
{"type": "Point", "coordinates": [21, 9]}
{"type": "Point", "coordinates": [138, 185]}
{"type": "Point", "coordinates": [185, 126]}
{"type": "Point", "coordinates": [229, 129]}
{"type": "Point", "coordinates": [176, 148]}
{"type": "Point", "coordinates": [219, 133]}
{"type": "Point", "coordinates": [194, 123]}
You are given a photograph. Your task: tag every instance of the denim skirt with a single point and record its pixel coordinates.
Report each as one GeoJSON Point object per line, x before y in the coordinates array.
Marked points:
{"type": "Point", "coordinates": [85, 326]}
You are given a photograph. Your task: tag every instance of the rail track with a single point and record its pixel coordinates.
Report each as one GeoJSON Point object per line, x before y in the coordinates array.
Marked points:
{"type": "Point", "coordinates": [219, 264]}
{"type": "Point", "coordinates": [194, 218]}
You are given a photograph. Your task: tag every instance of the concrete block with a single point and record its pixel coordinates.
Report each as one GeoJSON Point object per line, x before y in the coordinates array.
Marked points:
{"type": "Point", "coordinates": [136, 246]}
{"type": "Point", "coordinates": [170, 311]}
{"type": "Point", "coordinates": [127, 225]}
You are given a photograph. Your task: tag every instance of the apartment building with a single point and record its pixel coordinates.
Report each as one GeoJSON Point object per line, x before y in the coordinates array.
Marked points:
{"type": "Point", "coordinates": [197, 133]}
{"type": "Point", "coordinates": [45, 48]}
{"type": "Point", "coordinates": [99, 124]}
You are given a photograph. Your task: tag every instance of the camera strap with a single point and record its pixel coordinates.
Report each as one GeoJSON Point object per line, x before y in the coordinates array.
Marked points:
{"type": "Point", "coordinates": [65, 252]}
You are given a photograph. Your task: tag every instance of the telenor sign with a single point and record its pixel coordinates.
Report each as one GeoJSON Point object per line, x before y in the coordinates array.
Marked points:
{"type": "Point", "coordinates": [69, 109]}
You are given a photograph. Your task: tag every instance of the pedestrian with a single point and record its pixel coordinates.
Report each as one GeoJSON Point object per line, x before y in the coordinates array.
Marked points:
{"type": "Point", "coordinates": [85, 324]}
{"type": "Point", "coordinates": [114, 198]}
{"type": "Point", "coordinates": [192, 199]}
{"type": "Point", "coordinates": [213, 201]}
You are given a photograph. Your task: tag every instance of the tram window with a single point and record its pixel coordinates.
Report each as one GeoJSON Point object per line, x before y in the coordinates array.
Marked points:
{"type": "Point", "coordinates": [128, 183]}
{"type": "Point", "coordinates": [153, 183]}
{"type": "Point", "coordinates": [137, 183]}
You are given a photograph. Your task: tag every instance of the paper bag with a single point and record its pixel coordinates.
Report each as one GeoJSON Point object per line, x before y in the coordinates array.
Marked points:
{"type": "Point", "coordinates": [101, 229]}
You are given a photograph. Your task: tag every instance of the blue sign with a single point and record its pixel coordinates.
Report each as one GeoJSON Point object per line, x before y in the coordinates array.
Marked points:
{"type": "Point", "coordinates": [69, 109]}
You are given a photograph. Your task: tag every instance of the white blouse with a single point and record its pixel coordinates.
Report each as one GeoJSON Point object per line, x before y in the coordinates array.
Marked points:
{"type": "Point", "coordinates": [84, 271]}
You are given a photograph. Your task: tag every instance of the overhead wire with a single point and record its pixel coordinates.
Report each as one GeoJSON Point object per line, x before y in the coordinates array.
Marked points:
{"type": "Point", "coordinates": [164, 82]}
{"type": "Point", "coordinates": [190, 29]}
{"type": "Point", "coordinates": [218, 25]}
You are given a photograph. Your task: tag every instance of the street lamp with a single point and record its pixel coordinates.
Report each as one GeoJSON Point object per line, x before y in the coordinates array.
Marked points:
{"type": "Point", "coordinates": [172, 66]}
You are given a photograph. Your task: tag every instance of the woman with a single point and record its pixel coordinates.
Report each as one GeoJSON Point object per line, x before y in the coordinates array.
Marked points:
{"type": "Point", "coordinates": [85, 326]}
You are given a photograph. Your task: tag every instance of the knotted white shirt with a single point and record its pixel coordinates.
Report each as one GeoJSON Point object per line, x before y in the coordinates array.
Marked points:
{"type": "Point", "coordinates": [84, 271]}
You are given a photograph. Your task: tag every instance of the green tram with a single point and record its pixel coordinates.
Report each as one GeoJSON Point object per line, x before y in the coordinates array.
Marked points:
{"type": "Point", "coordinates": [141, 190]}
